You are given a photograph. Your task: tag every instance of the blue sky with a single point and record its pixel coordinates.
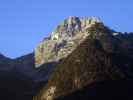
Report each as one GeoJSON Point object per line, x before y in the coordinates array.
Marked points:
{"type": "Point", "coordinates": [24, 23]}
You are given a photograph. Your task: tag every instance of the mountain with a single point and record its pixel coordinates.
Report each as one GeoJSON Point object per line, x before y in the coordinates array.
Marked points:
{"type": "Point", "coordinates": [102, 56]}
{"type": "Point", "coordinates": [79, 53]}
{"type": "Point", "coordinates": [63, 40]}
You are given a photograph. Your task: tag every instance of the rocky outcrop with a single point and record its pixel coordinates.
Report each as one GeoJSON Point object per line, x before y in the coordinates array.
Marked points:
{"type": "Point", "coordinates": [63, 40]}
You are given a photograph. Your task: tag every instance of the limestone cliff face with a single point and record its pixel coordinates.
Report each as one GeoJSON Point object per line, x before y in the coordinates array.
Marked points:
{"type": "Point", "coordinates": [64, 39]}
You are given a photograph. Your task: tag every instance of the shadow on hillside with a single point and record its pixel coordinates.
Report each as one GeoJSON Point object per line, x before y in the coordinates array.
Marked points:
{"type": "Point", "coordinates": [107, 90]}
{"type": "Point", "coordinates": [14, 85]}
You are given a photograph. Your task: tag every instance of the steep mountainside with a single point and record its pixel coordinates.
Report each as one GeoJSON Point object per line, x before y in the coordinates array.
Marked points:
{"type": "Point", "coordinates": [100, 57]}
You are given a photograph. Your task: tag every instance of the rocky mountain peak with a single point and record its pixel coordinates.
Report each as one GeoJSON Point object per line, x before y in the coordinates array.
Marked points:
{"type": "Point", "coordinates": [72, 26]}
{"type": "Point", "coordinates": [64, 39]}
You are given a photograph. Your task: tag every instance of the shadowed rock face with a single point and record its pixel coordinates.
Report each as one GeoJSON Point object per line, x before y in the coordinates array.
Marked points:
{"type": "Point", "coordinates": [100, 57]}
{"type": "Point", "coordinates": [106, 90]}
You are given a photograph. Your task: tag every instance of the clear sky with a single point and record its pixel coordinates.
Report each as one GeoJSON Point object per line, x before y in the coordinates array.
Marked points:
{"type": "Point", "coordinates": [24, 23]}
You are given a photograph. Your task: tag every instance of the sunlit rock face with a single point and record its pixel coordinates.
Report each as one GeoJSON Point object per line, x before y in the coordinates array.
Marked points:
{"type": "Point", "coordinates": [64, 39]}
{"type": "Point", "coordinates": [49, 95]}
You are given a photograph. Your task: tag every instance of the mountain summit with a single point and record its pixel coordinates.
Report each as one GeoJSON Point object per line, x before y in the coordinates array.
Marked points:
{"type": "Point", "coordinates": [63, 39]}
{"type": "Point", "coordinates": [72, 26]}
